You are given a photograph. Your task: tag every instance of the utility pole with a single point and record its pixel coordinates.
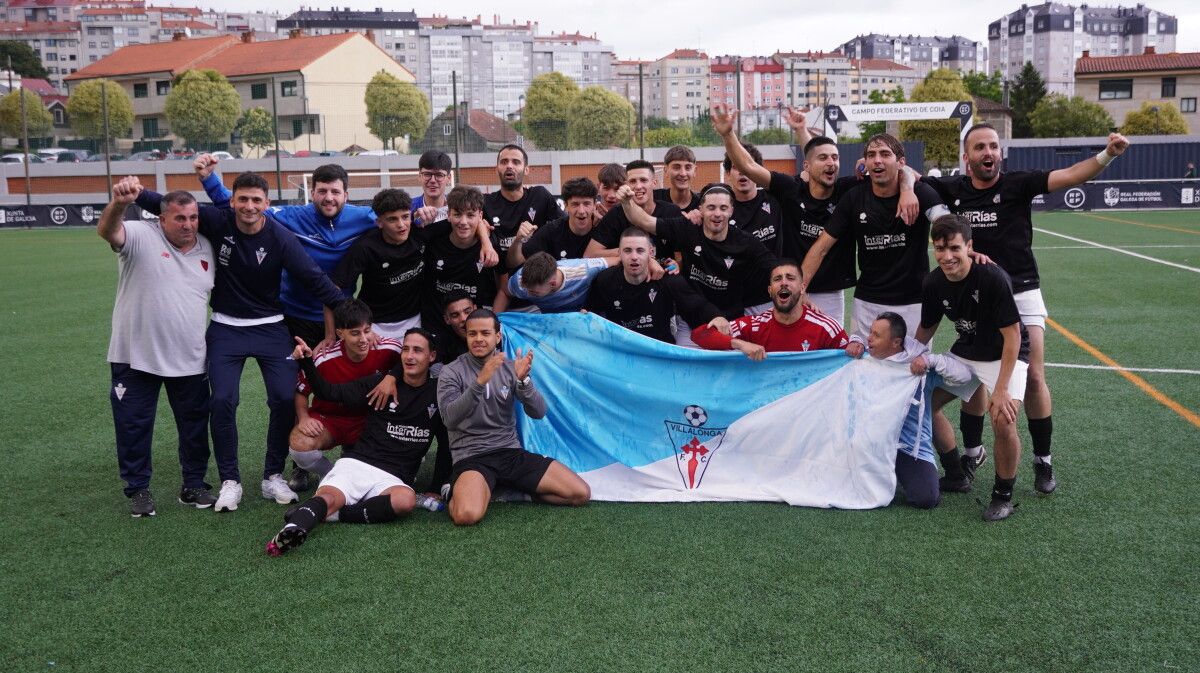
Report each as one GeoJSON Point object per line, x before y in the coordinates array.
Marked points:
{"type": "Point", "coordinates": [641, 113]}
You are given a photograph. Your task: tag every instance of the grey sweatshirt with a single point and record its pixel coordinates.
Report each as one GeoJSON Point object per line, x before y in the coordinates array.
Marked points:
{"type": "Point", "coordinates": [482, 418]}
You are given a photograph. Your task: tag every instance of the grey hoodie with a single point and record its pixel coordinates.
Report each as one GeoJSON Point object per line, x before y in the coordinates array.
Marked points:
{"type": "Point", "coordinates": [479, 418]}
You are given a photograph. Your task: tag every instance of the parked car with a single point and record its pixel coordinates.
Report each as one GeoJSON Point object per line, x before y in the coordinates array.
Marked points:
{"type": "Point", "coordinates": [100, 157]}
{"type": "Point", "coordinates": [379, 153]}
{"type": "Point", "coordinates": [222, 155]}
{"type": "Point", "coordinates": [61, 154]}
{"type": "Point", "coordinates": [271, 153]}
{"type": "Point", "coordinates": [19, 158]}
{"type": "Point", "coordinates": [148, 155]}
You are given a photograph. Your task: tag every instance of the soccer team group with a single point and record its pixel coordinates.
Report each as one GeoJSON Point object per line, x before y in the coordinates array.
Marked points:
{"type": "Point", "coordinates": [759, 263]}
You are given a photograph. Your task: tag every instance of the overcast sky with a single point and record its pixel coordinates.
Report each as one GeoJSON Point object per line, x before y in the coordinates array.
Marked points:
{"type": "Point", "coordinates": [649, 30]}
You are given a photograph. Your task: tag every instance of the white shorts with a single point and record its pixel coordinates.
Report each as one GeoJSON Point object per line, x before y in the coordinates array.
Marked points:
{"type": "Point", "coordinates": [987, 373]}
{"type": "Point", "coordinates": [683, 334]}
{"type": "Point", "coordinates": [832, 304]}
{"type": "Point", "coordinates": [359, 481]}
{"type": "Point", "coordinates": [1032, 308]}
{"type": "Point", "coordinates": [396, 330]}
{"type": "Point", "coordinates": [866, 312]}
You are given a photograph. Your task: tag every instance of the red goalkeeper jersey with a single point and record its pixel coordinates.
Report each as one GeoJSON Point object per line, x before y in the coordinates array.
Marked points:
{"type": "Point", "coordinates": [336, 367]}
{"type": "Point", "coordinates": [813, 331]}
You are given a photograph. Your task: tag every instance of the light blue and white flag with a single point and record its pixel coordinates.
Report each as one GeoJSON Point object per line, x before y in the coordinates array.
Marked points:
{"type": "Point", "coordinates": [645, 421]}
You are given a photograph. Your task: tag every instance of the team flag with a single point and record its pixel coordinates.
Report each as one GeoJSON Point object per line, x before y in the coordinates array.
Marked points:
{"type": "Point", "coordinates": [645, 421]}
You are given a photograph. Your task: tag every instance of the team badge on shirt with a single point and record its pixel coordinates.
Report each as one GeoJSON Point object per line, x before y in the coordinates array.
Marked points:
{"type": "Point", "coordinates": [728, 262]}
{"type": "Point", "coordinates": [432, 409]}
{"type": "Point", "coordinates": [766, 207]}
{"type": "Point", "coordinates": [385, 265]}
{"type": "Point", "coordinates": [504, 392]}
{"type": "Point", "coordinates": [996, 199]}
{"type": "Point", "coordinates": [261, 254]}
{"type": "Point", "coordinates": [694, 444]}
{"type": "Point", "coordinates": [975, 294]}
{"type": "Point", "coordinates": [119, 391]}
{"type": "Point", "coordinates": [204, 264]}
{"type": "Point", "coordinates": [652, 294]}
{"type": "Point", "coordinates": [440, 264]}
{"type": "Point", "coordinates": [532, 214]}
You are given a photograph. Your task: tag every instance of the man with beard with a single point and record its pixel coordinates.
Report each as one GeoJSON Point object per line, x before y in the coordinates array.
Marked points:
{"type": "Point", "coordinates": [564, 238]}
{"type": "Point", "coordinates": [999, 207]}
{"type": "Point", "coordinates": [514, 203]}
{"type": "Point", "coordinates": [790, 325]}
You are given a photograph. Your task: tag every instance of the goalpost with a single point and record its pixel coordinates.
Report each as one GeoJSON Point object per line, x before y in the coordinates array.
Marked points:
{"type": "Point", "coordinates": [836, 115]}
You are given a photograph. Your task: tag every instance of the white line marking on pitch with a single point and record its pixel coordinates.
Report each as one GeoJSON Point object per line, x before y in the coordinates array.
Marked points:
{"type": "Point", "coordinates": [1120, 250]}
{"type": "Point", "coordinates": [1140, 370]}
{"type": "Point", "coordinates": [1090, 247]}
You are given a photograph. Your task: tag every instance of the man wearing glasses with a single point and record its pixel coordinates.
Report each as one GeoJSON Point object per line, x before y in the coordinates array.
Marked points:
{"type": "Point", "coordinates": [430, 206]}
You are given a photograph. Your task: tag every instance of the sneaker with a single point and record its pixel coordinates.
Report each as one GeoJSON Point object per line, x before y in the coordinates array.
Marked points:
{"type": "Point", "coordinates": [275, 488]}
{"type": "Point", "coordinates": [970, 464]}
{"type": "Point", "coordinates": [980, 459]}
{"type": "Point", "coordinates": [300, 480]}
{"type": "Point", "coordinates": [998, 509]}
{"type": "Point", "coordinates": [1043, 478]}
{"type": "Point", "coordinates": [200, 498]}
{"type": "Point", "coordinates": [958, 484]}
{"type": "Point", "coordinates": [141, 504]}
{"type": "Point", "coordinates": [289, 537]}
{"type": "Point", "coordinates": [229, 497]}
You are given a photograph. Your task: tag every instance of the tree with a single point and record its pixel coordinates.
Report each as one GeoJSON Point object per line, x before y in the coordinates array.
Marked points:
{"type": "Point", "coordinates": [669, 136]}
{"type": "Point", "coordinates": [87, 105]}
{"type": "Point", "coordinates": [599, 118]}
{"type": "Point", "coordinates": [703, 134]}
{"type": "Point", "coordinates": [202, 107]}
{"type": "Point", "coordinates": [257, 128]}
{"type": "Point", "coordinates": [1026, 93]}
{"type": "Point", "coordinates": [547, 107]}
{"type": "Point", "coordinates": [25, 61]}
{"type": "Point", "coordinates": [651, 122]}
{"type": "Point", "coordinates": [396, 109]}
{"type": "Point", "coordinates": [879, 97]}
{"type": "Point", "coordinates": [770, 136]}
{"type": "Point", "coordinates": [1155, 118]}
{"type": "Point", "coordinates": [990, 87]}
{"type": "Point", "coordinates": [1057, 116]}
{"type": "Point", "coordinates": [38, 119]}
{"type": "Point", "coordinates": [941, 137]}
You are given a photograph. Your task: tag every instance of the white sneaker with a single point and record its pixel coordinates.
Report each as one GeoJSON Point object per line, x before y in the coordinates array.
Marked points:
{"type": "Point", "coordinates": [230, 496]}
{"type": "Point", "coordinates": [275, 488]}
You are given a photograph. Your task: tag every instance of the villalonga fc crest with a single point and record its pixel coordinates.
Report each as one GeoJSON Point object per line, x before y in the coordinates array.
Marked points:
{"type": "Point", "coordinates": [694, 444]}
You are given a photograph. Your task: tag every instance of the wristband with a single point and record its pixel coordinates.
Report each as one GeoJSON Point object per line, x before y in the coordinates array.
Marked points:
{"type": "Point", "coordinates": [1104, 157]}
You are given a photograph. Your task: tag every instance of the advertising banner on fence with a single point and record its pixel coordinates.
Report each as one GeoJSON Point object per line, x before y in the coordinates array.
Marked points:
{"type": "Point", "coordinates": [58, 216]}
{"type": "Point", "coordinates": [1148, 195]}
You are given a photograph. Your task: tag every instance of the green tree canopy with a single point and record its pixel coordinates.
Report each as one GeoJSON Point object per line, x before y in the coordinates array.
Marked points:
{"type": "Point", "coordinates": [257, 128]}
{"type": "Point", "coordinates": [547, 110]}
{"type": "Point", "coordinates": [25, 61]}
{"type": "Point", "coordinates": [396, 109]}
{"type": "Point", "coordinates": [990, 87]}
{"type": "Point", "coordinates": [1057, 116]}
{"type": "Point", "coordinates": [38, 119]}
{"type": "Point", "coordinates": [769, 136]}
{"type": "Point", "coordinates": [1145, 121]}
{"type": "Point", "coordinates": [1026, 93]}
{"type": "Point", "coordinates": [202, 108]}
{"type": "Point", "coordinates": [940, 137]}
{"type": "Point", "coordinates": [599, 118]}
{"type": "Point", "coordinates": [878, 97]}
{"type": "Point", "coordinates": [87, 105]}
{"type": "Point", "coordinates": [668, 137]}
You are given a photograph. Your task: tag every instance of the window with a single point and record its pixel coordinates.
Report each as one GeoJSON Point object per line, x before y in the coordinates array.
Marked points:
{"type": "Point", "coordinates": [162, 87]}
{"type": "Point", "coordinates": [59, 117]}
{"type": "Point", "coordinates": [297, 128]}
{"type": "Point", "coordinates": [1187, 104]}
{"type": "Point", "coordinates": [1111, 89]}
{"type": "Point", "coordinates": [287, 88]}
{"type": "Point", "coordinates": [1168, 87]}
{"type": "Point", "coordinates": [258, 91]}
{"type": "Point", "coordinates": [141, 90]}
{"type": "Point", "coordinates": [150, 127]}
{"type": "Point", "coordinates": [447, 129]}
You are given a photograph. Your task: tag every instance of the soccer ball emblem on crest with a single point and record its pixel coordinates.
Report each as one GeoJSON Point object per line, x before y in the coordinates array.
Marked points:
{"type": "Point", "coordinates": [695, 415]}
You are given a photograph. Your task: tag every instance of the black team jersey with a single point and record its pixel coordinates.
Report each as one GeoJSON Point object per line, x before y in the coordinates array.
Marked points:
{"type": "Point", "coordinates": [804, 218]}
{"type": "Point", "coordinates": [396, 438]}
{"type": "Point", "coordinates": [761, 217]}
{"type": "Point", "coordinates": [732, 274]}
{"type": "Point", "coordinates": [449, 267]}
{"type": "Point", "coordinates": [1001, 218]}
{"type": "Point", "coordinates": [893, 257]}
{"type": "Point", "coordinates": [650, 307]}
{"type": "Point", "coordinates": [392, 275]}
{"type": "Point", "coordinates": [978, 305]}
{"type": "Point", "coordinates": [537, 205]}
{"type": "Point", "coordinates": [557, 239]}
{"type": "Point", "coordinates": [664, 194]}
{"type": "Point", "coordinates": [607, 231]}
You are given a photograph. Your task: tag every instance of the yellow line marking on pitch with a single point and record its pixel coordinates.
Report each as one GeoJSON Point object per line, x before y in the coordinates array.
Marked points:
{"type": "Point", "coordinates": [1142, 224]}
{"type": "Point", "coordinates": [1136, 380]}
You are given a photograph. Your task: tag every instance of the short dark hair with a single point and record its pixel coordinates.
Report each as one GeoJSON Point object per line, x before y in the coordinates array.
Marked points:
{"type": "Point", "coordinates": [945, 227]}
{"type": "Point", "coordinates": [679, 153]}
{"type": "Point", "coordinates": [179, 197]}
{"type": "Point", "coordinates": [977, 127]}
{"type": "Point", "coordinates": [484, 314]}
{"type": "Point", "coordinates": [754, 154]}
{"type": "Point", "coordinates": [539, 268]}
{"type": "Point", "coordinates": [787, 261]}
{"type": "Point", "coordinates": [634, 232]}
{"type": "Point", "coordinates": [510, 146]}
{"type": "Point", "coordinates": [351, 313]}
{"type": "Point", "coordinates": [896, 324]}
{"type": "Point", "coordinates": [636, 164]}
{"type": "Point", "coordinates": [611, 175]}
{"type": "Point", "coordinates": [390, 201]}
{"type": "Point", "coordinates": [421, 331]}
{"type": "Point", "coordinates": [329, 173]}
{"type": "Point", "coordinates": [464, 198]}
{"type": "Point", "coordinates": [894, 145]}
{"type": "Point", "coordinates": [579, 188]}
{"type": "Point", "coordinates": [249, 180]}
{"type": "Point", "coordinates": [435, 160]}
{"type": "Point", "coordinates": [456, 295]}
{"type": "Point", "coordinates": [715, 188]}
{"type": "Point", "coordinates": [816, 142]}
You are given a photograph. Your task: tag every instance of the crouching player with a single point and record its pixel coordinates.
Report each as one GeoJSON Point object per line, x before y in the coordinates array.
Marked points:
{"type": "Point", "coordinates": [370, 482]}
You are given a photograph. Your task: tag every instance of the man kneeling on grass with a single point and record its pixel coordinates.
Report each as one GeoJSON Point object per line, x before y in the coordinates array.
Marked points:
{"type": "Point", "coordinates": [370, 483]}
{"type": "Point", "coordinates": [478, 393]}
